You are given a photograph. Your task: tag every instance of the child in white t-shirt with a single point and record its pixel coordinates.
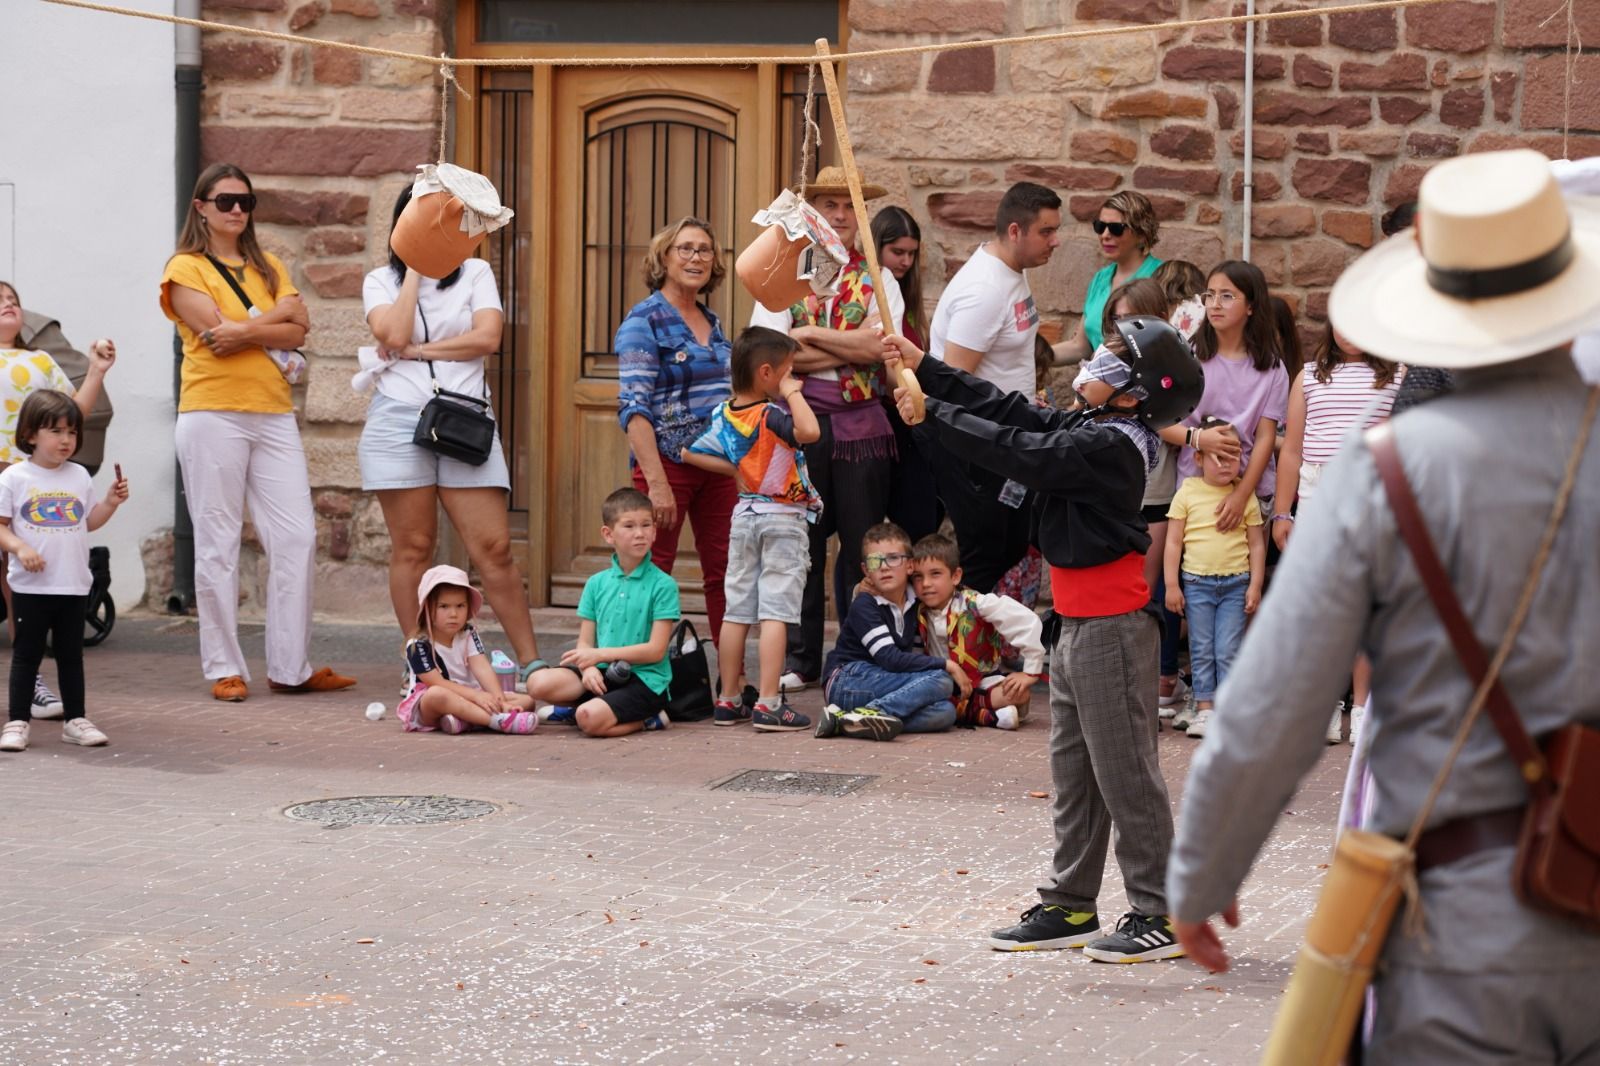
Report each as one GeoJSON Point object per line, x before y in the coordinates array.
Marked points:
{"type": "Point", "coordinates": [47, 510]}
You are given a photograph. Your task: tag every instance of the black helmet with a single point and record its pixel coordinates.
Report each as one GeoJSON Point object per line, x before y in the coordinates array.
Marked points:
{"type": "Point", "coordinates": [1164, 368]}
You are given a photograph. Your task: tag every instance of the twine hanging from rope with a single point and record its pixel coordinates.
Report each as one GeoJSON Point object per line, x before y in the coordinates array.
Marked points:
{"type": "Point", "coordinates": [812, 138]}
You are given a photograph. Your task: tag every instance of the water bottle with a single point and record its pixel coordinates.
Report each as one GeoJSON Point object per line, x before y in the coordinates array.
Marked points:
{"type": "Point", "coordinates": [504, 669]}
{"type": "Point", "coordinates": [618, 673]}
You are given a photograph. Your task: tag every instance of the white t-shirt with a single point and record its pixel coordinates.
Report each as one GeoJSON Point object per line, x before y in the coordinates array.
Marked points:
{"type": "Point", "coordinates": [49, 512]}
{"type": "Point", "coordinates": [449, 314]}
{"type": "Point", "coordinates": [783, 322]}
{"type": "Point", "coordinates": [989, 308]}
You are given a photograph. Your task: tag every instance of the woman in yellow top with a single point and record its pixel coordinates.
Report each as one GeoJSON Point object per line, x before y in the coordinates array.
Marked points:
{"type": "Point", "coordinates": [236, 436]}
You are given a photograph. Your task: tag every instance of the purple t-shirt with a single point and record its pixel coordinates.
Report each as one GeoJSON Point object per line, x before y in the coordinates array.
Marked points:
{"type": "Point", "coordinates": [1238, 393]}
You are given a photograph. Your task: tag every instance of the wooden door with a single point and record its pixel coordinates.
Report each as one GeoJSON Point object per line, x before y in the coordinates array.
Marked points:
{"type": "Point", "coordinates": [632, 152]}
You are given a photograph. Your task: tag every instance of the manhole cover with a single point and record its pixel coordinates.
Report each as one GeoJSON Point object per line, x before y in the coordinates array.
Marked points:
{"type": "Point", "coordinates": [796, 782]}
{"type": "Point", "coordinates": [389, 810]}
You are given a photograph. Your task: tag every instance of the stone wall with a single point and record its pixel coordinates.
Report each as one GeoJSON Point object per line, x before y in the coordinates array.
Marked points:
{"type": "Point", "coordinates": [1351, 110]}
{"type": "Point", "coordinates": [329, 138]}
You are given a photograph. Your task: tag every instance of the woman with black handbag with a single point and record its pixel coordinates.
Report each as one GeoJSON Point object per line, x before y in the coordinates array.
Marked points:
{"type": "Point", "coordinates": [430, 436]}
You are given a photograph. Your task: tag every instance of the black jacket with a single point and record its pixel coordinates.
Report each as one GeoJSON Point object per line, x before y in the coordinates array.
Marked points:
{"type": "Point", "coordinates": [1090, 477]}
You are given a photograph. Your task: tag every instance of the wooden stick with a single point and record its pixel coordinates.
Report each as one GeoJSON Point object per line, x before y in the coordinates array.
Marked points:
{"type": "Point", "coordinates": [847, 158]}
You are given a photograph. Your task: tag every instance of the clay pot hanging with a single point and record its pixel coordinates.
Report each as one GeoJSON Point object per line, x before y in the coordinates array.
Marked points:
{"type": "Point", "coordinates": [451, 210]}
{"type": "Point", "coordinates": [796, 256]}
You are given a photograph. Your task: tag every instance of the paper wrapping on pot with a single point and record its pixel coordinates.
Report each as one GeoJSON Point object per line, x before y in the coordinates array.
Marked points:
{"type": "Point", "coordinates": [798, 254]}
{"type": "Point", "coordinates": [451, 210]}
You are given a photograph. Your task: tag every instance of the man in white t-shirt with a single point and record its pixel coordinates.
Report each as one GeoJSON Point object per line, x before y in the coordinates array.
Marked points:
{"type": "Point", "coordinates": [985, 324]}
{"type": "Point", "coordinates": [841, 358]}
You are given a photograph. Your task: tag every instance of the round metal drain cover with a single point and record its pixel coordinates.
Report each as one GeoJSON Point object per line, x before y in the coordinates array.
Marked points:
{"type": "Point", "coordinates": [389, 810]}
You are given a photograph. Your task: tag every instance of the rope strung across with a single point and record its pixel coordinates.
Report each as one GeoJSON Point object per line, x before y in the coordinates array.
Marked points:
{"type": "Point", "coordinates": [746, 61]}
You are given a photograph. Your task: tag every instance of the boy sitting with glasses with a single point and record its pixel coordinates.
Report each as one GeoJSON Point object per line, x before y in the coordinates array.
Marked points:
{"type": "Point", "coordinates": [878, 680]}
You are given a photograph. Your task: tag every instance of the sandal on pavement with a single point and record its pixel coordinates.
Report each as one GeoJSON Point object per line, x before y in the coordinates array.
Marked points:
{"type": "Point", "coordinates": [230, 690]}
{"type": "Point", "coordinates": [323, 680]}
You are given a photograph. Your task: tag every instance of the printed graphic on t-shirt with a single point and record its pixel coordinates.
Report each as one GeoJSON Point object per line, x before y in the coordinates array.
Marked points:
{"type": "Point", "coordinates": [53, 510]}
{"type": "Point", "coordinates": [1026, 313]}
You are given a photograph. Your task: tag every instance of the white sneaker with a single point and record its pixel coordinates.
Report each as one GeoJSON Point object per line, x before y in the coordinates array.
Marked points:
{"type": "Point", "coordinates": [14, 736]}
{"type": "Point", "coordinates": [1006, 718]}
{"type": "Point", "coordinates": [83, 732]}
{"type": "Point", "coordinates": [1184, 718]}
{"type": "Point", "coordinates": [793, 682]}
{"type": "Point", "coordinates": [1168, 704]}
{"type": "Point", "coordinates": [1358, 716]}
{"type": "Point", "coordinates": [46, 704]}
{"type": "Point", "coordinates": [1202, 720]}
{"type": "Point", "coordinates": [1336, 725]}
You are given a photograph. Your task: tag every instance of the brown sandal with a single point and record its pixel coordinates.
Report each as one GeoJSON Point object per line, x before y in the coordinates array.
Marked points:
{"type": "Point", "coordinates": [230, 690]}
{"type": "Point", "coordinates": [323, 680]}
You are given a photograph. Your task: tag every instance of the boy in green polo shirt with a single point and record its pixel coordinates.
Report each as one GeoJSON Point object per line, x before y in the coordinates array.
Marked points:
{"type": "Point", "coordinates": [626, 615]}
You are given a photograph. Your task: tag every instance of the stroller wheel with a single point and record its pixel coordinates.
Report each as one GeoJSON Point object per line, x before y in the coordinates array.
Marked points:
{"type": "Point", "coordinates": [98, 620]}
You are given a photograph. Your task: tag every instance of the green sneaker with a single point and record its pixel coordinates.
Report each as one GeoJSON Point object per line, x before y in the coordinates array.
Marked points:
{"type": "Point", "coordinates": [870, 724]}
{"type": "Point", "coordinates": [1048, 928]}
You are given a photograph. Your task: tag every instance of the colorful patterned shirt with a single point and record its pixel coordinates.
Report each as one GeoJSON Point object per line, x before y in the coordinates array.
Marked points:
{"type": "Point", "coordinates": [667, 375]}
{"type": "Point", "coordinates": [759, 440]}
{"type": "Point", "coordinates": [22, 372]}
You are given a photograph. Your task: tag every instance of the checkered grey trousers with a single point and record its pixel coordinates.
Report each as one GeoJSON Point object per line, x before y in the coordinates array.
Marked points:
{"type": "Point", "coordinates": [1103, 674]}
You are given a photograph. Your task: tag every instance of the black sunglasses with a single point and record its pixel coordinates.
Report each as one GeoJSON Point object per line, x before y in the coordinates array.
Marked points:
{"type": "Point", "coordinates": [227, 201]}
{"type": "Point", "coordinates": [1100, 226]}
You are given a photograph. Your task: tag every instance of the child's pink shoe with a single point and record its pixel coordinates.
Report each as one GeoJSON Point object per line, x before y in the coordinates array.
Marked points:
{"type": "Point", "coordinates": [518, 722]}
{"type": "Point", "coordinates": [449, 723]}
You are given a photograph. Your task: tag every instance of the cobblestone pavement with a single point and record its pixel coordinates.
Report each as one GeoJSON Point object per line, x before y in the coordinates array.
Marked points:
{"type": "Point", "coordinates": [159, 906]}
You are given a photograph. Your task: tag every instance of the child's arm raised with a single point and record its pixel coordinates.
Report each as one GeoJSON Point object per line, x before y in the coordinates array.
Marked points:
{"type": "Point", "coordinates": [807, 430]}
{"type": "Point", "coordinates": [13, 545]}
{"type": "Point", "coordinates": [1257, 539]}
{"type": "Point", "coordinates": [1172, 559]}
{"type": "Point", "coordinates": [102, 511]}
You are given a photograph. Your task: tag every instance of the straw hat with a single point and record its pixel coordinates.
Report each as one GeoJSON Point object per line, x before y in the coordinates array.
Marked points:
{"type": "Point", "coordinates": [1500, 267]}
{"type": "Point", "coordinates": [832, 182]}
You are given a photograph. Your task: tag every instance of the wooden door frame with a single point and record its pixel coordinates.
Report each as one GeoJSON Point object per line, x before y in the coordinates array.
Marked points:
{"type": "Point", "coordinates": [540, 303]}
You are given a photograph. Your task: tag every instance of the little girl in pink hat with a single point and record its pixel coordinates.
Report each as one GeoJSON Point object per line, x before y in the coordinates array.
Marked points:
{"type": "Point", "coordinates": [451, 686]}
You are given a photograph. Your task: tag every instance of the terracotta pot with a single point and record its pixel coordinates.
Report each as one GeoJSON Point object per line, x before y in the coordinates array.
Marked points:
{"type": "Point", "coordinates": [768, 269]}
{"type": "Point", "coordinates": [429, 239]}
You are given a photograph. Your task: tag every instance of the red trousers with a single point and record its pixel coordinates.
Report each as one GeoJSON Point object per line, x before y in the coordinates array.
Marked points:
{"type": "Point", "coordinates": [706, 500]}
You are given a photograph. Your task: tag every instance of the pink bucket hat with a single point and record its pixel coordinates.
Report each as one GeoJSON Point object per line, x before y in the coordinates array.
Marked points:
{"type": "Point", "coordinates": [446, 575]}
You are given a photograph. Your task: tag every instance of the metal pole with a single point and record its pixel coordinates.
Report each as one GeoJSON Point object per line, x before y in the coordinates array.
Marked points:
{"type": "Point", "coordinates": [186, 170]}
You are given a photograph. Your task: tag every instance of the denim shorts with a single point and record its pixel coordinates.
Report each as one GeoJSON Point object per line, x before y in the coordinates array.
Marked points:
{"type": "Point", "coordinates": [389, 460]}
{"type": "Point", "coordinates": [768, 557]}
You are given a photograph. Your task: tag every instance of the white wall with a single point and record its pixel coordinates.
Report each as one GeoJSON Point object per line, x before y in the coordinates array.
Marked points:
{"type": "Point", "coordinates": [87, 146]}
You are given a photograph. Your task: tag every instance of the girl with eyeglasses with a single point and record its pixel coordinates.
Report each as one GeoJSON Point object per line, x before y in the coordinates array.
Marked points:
{"type": "Point", "coordinates": [673, 360]}
{"type": "Point", "coordinates": [236, 435]}
{"type": "Point", "coordinates": [1246, 394]}
{"type": "Point", "coordinates": [1126, 228]}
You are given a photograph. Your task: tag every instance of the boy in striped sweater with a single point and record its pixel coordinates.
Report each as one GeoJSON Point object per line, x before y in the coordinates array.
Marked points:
{"type": "Point", "coordinates": [972, 630]}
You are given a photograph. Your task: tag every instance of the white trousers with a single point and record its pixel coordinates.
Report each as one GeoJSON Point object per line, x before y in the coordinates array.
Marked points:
{"type": "Point", "coordinates": [231, 459]}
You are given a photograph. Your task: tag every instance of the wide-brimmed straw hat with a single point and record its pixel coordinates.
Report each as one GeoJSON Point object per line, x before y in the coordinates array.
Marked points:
{"type": "Point", "coordinates": [446, 575]}
{"type": "Point", "coordinates": [1500, 267]}
{"type": "Point", "coordinates": [832, 182]}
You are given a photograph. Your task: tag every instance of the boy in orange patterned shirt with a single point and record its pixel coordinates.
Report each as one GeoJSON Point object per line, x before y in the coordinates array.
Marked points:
{"type": "Point", "coordinates": [756, 440]}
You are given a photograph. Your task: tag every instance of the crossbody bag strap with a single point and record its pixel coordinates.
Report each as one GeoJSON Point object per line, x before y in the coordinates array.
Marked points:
{"type": "Point", "coordinates": [1490, 694]}
{"type": "Point", "coordinates": [426, 337]}
{"type": "Point", "coordinates": [227, 275]}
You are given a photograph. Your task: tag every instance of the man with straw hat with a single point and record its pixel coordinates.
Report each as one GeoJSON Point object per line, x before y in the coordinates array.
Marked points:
{"type": "Point", "coordinates": [1501, 275]}
{"type": "Point", "coordinates": [841, 355]}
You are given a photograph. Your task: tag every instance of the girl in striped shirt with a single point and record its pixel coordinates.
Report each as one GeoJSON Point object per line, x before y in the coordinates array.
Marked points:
{"type": "Point", "coordinates": [1342, 390]}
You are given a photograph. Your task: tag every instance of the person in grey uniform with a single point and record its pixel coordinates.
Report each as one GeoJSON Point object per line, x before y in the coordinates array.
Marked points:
{"type": "Point", "coordinates": [1503, 276]}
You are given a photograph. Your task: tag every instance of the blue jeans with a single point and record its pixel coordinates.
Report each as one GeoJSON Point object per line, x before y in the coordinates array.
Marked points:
{"type": "Point", "coordinates": [921, 700]}
{"type": "Point", "coordinates": [1215, 608]}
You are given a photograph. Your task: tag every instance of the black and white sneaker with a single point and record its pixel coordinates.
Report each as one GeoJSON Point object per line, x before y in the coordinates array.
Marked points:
{"type": "Point", "coordinates": [46, 704]}
{"type": "Point", "coordinates": [1139, 938]}
{"type": "Point", "coordinates": [1047, 928]}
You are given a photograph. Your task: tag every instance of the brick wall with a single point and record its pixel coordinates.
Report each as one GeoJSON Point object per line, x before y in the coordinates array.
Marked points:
{"type": "Point", "coordinates": [1351, 110]}
{"type": "Point", "coordinates": [329, 138]}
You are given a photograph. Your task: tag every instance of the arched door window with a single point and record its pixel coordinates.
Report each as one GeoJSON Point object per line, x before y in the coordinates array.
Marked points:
{"type": "Point", "coordinates": [648, 161]}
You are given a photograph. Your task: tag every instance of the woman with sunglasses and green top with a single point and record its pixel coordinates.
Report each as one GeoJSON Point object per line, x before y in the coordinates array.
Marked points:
{"type": "Point", "coordinates": [240, 318]}
{"type": "Point", "coordinates": [1127, 229]}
